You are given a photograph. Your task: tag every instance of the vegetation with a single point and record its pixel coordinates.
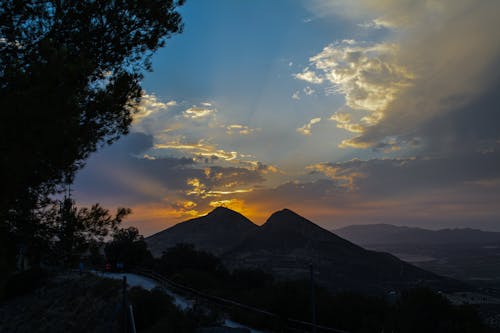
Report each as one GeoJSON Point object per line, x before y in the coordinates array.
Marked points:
{"type": "Point", "coordinates": [129, 248]}
{"type": "Point", "coordinates": [415, 310]}
{"type": "Point", "coordinates": [67, 304]}
{"type": "Point", "coordinates": [70, 75]}
{"type": "Point", "coordinates": [154, 311]}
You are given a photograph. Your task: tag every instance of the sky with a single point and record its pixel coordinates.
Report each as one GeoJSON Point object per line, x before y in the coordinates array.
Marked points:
{"type": "Point", "coordinates": [347, 112]}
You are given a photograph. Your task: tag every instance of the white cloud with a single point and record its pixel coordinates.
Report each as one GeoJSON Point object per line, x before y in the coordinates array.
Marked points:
{"type": "Point", "coordinates": [308, 91]}
{"type": "Point", "coordinates": [240, 129]}
{"type": "Point", "coordinates": [368, 75]}
{"type": "Point", "coordinates": [296, 95]}
{"type": "Point", "coordinates": [196, 112]}
{"type": "Point", "coordinates": [306, 129]}
{"type": "Point", "coordinates": [150, 104]}
{"type": "Point", "coordinates": [309, 76]}
{"type": "Point", "coordinates": [344, 121]}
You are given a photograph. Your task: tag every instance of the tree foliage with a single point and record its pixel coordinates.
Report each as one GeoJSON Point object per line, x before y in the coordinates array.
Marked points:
{"type": "Point", "coordinates": [76, 229]}
{"type": "Point", "coordinates": [70, 75]}
{"type": "Point", "coordinates": [128, 247]}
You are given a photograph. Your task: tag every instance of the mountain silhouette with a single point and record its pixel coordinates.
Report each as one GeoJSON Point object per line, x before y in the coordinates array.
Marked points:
{"type": "Point", "coordinates": [287, 244]}
{"type": "Point", "coordinates": [217, 232]}
{"type": "Point", "coordinates": [286, 231]}
{"type": "Point", "coordinates": [372, 234]}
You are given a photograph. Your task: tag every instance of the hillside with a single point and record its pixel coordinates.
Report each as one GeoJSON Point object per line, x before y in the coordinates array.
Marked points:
{"type": "Point", "coordinates": [64, 304]}
{"type": "Point", "coordinates": [287, 244]}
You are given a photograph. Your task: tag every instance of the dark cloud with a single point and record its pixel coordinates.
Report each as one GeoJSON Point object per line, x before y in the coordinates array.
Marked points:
{"type": "Point", "coordinates": [124, 174]}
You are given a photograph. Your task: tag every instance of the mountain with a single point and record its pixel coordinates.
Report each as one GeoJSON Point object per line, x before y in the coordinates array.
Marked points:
{"type": "Point", "coordinates": [287, 244]}
{"type": "Point", "coordinates": [372, 234]}
{"type": "Point", "coordinates": [217, 232]}
{"type": "Point", "coordinates": [466, 254]}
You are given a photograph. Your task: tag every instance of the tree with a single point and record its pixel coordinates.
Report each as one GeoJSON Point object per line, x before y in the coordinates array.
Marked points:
{"type": "Point", "coordinates": [76, 229]}
{"type": "Point", "coordinates": [70, 76]}
{"type": "Point", "coordinates": [128, 247]}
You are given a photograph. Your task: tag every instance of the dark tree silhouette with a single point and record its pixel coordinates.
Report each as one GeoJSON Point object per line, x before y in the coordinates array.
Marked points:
{"type": "Point", "coordinates": [128, 247]}
{"type": "Point", "coordinates": [77, 228]}
{"type": "Point", "coordinates": [70, 76]}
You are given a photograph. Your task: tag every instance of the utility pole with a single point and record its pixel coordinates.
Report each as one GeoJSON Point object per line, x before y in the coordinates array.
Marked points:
{"type": "Point", "coordinates": [313, 300]}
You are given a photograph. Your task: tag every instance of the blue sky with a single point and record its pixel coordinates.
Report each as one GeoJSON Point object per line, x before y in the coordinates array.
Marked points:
{"type": "Point", "coordinates": [345, 111]}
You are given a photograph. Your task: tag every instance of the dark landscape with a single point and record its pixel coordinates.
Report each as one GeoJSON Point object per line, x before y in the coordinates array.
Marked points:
{"type": "Point", "coordinates": [465, 254]}
{"type": "Point", "coordinates": [287, 244]}
{"type": "Point", "coordinates": [225, 166]}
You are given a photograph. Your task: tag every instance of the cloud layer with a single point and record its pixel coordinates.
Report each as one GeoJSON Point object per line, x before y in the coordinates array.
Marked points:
{"type": "Point", "coordinates": [436, 58]}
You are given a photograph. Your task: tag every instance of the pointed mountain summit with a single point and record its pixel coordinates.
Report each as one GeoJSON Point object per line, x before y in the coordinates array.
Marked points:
{"type": "Point", "coordinates": [286, 230]}
{"type": "Point", "coordinates": [217, 232]}
{"type": "Point", "coordinates": [286, 218]}
{"type": "Point", "coordinates": [287, 221]}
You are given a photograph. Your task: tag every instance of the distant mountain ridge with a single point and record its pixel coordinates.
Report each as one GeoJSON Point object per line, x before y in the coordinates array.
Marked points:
{"type": "Point", "coordinates": [387, 234]}
{"type": "Point", "coordinates": [287, 244]}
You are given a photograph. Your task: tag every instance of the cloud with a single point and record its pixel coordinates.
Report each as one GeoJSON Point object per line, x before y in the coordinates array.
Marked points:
{"type": "Point", "coordinates": [309, 76]}
{"type": "Point", "coordinates": [240, 129]}
{"type": "Point", "coordinates": [200, 150]}
{"type": "Point", "coordinates": [344, 176]}
{"type": "Point", "coordinates": [437, 59]}
{"type": "Point", "coordinates": [344, 121]}
{"type": "Point", "coordinates": [368, 76]}
{"type": "Point", "coordinates": [405, 175]}
{"type": "Point", "coordinates": [150, 104]}
{"type": "Point", "coordinates": [296, 95]}
{"type": "Point", "coordinates": [306, 129]}
{"type": "Point", "coordinates": [460, 190]}
{"type": "Point", "coordinates": [378, 23]}
{"type": "Point", "coordinates": [308, 91]}
{"type": "Point", "coordinates": [199, 112]}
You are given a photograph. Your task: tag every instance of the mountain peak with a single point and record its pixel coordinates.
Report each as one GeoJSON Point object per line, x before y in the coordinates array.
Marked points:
{"type": "Point", "coordinates": [216, 232]}
{"type": "Point", "coordinates": [226, 216]}
{"type": "Point", "coordinates": [223, 212]}
{"type": "Point", "coordinates": [286, 217]}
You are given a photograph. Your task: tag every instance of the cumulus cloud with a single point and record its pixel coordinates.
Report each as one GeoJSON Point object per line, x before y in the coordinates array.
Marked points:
{"type": "Point", "coordinates": [306, 129]}
{"type": "Point", "coordinates": [368, 75]}
{"type": "Point", "coordinates": [437, 58]}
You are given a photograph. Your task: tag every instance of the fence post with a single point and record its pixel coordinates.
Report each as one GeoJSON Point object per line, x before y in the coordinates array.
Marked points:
{"type": "Point", "coordinates": [132, 320]}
